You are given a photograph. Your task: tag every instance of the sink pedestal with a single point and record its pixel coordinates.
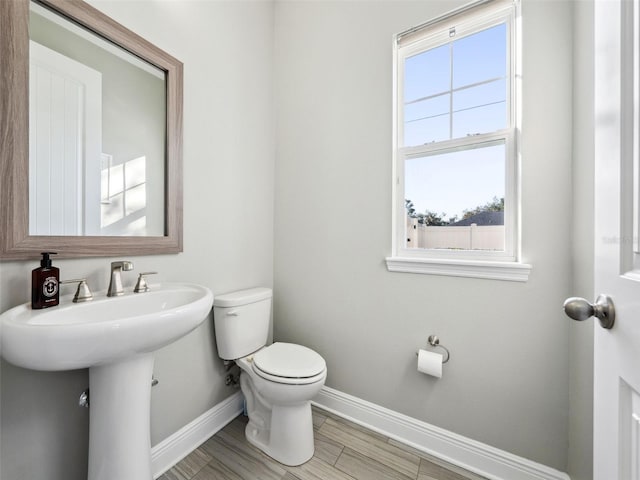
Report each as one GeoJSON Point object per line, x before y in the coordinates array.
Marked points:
{"type": "Point", "coordinates": [119, 419]}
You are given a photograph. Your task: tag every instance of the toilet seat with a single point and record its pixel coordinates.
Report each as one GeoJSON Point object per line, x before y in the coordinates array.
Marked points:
{"type": "Point", "coordinates": [289, 363]}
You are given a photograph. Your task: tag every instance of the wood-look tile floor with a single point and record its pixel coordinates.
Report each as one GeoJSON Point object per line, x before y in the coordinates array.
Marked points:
{"type": "Point", "coordinates": [344, 451]}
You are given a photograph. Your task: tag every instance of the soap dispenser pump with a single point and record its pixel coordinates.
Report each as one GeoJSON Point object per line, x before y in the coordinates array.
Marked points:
{"type": "Point", "coordinates": [45, 284]}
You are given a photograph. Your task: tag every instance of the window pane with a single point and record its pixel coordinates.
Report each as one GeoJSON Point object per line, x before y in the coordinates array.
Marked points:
{"type": "Point", "coordinates": [426, 121]}
{"type": "Point", "coordinates": [432, 107]}
{"type": "Point", "coordinates": [425, 131]}
{"type": "Point", "coordinates": [492, 92]}
{"type": "Point", "coordinates": [480, 56]}
{"type": "Point", "coordinates": [455, 200]}
{"type": "Point", "coordinates": [478, 120]}
{"type": "Point", "coordinates": [480, 109]}
{"type": "Point", "coordinates": [427, 73]}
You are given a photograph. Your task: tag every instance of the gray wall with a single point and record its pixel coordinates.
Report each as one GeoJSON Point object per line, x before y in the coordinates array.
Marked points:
{"type": "Point", "coordinates": [507, 382]}
{"type": "Point", "coordinates": [227, 49]}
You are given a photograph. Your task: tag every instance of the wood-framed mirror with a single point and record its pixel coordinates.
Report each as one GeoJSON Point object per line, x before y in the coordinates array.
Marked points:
{"type": "Point", "coordinates": [121, 191]}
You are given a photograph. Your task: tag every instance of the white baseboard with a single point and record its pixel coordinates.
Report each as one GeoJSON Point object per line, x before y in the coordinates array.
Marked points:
{"type": "Point", "coordinates": [177, 446]}
{"type": "Point", "coordinates": [477, 457]}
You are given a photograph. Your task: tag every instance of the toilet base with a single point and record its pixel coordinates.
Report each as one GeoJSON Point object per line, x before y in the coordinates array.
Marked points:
{"type": "Point", "coordinates": [284, 432]}
{"type": "Point", "coordinates": [288, 435]}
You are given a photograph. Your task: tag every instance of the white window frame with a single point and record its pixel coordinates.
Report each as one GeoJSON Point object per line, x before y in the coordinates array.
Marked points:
{"type": "Point", "coordinates": [503, 265]}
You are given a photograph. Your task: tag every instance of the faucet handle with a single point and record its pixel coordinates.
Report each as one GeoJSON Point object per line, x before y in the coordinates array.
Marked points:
{"type": "Point", "coordinates": [142, 286]}
{"type": "Point", "coordinates": [83, 293]}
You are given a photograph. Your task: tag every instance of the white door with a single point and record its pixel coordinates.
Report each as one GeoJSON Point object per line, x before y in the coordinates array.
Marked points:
{"type": "Point", "coordinates": [617, 249]}
{"type": "Point", "coordinates": [65, 144]}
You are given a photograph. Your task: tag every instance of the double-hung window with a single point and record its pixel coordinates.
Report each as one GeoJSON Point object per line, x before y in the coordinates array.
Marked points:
{"type": "Point", "coordinates": [455, 145]}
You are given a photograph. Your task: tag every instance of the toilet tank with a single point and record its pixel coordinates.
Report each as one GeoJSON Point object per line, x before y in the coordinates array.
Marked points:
{"type": "Point", "coordinates": [241, 322]}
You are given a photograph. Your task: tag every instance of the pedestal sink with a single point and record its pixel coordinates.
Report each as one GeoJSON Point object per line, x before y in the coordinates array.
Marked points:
{"type": "Point", "coordinates": [115, 338]}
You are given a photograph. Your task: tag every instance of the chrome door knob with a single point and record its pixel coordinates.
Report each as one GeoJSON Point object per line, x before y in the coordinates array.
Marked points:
{"type": "Point", "coordinates": [580, 309]}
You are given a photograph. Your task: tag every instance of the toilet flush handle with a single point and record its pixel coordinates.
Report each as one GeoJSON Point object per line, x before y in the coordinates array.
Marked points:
{"type": "Point", "coordinates": [232, 313]}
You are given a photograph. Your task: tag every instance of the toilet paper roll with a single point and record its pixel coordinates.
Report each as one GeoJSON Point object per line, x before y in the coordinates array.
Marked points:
{"type": "Point", "coordinates": [430, 363]}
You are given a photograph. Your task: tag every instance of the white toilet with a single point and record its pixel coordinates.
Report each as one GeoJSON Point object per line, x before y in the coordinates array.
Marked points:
{"type": "Point", "coordinates": [278, 381]}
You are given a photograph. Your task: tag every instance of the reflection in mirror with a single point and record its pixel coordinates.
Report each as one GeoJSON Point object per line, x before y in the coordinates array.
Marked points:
{"type": "Point", "coordinates": [96, 134]}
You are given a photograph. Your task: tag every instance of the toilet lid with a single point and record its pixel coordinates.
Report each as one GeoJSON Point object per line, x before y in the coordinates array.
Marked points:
{"type": "Point", "coordinates": [288, 360]}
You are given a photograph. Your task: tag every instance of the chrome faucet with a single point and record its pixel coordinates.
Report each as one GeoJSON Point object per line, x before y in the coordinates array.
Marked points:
{"type": "Point", "coordinates": [115, 285]}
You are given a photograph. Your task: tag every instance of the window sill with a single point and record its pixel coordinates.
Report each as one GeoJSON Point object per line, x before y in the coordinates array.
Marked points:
{"type": "Point", "coordinates": [510, 271]}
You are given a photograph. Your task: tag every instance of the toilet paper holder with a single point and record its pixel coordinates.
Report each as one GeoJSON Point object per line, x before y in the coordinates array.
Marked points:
{"type": "Point", "coordinates": [434, 341]}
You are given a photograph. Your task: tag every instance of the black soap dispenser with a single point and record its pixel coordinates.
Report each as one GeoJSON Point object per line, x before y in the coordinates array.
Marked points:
{"type": "Point", "coordinates": [44, 284]}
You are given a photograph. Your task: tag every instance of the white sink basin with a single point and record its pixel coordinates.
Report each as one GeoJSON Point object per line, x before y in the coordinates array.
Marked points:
{"type": "Point", "coordinates": [82, 335]}
{"type": "Point", "coordinates": [115, 338]}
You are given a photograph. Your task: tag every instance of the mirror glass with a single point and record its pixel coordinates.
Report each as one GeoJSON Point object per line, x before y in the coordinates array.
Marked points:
{"type": "Point", "coordinates": [97, 134]}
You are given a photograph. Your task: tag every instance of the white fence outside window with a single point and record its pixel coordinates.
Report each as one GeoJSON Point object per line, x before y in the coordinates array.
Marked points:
{"type": "Point", "coordinates": [472, 237]}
